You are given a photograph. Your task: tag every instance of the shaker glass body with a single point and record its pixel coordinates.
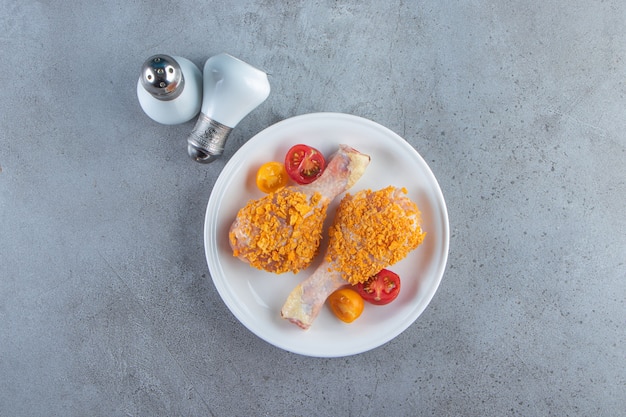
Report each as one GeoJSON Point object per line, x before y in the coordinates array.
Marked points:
{"type": "Point", "coordinates": [181, 109]}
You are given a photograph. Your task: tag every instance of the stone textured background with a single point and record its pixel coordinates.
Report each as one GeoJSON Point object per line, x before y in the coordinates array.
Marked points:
{"type": "Point", "coordinates": [106, 304]}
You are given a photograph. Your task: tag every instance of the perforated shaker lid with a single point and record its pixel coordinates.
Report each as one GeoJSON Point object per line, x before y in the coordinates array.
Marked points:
{"type": "Point", "coordinates": [162, 77]}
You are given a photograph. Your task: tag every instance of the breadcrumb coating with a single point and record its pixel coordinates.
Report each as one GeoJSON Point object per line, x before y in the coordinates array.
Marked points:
{"type": "Point", "coordinates": [283, 228]}
{"type": "Point", "coordinates": [371, 231]}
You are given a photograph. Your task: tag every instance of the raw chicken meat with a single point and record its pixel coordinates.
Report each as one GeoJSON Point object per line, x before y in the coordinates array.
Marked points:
{"type": "Point", "coordinates": [282, 231]}
{"type": "Point", "coordinates": [372, 230]}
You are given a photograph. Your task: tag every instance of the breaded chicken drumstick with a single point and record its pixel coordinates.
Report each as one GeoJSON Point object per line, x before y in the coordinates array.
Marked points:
{"type": "Point", "coordinates": [282, 231]}
{"type": "Point", "coordinates": [372, 230]}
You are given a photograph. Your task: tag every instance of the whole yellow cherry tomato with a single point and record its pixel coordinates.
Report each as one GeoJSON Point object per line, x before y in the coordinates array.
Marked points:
{"type": "Point", "coordinates": [346, 304]}
{"type": "Point", "coordinates": [271, 176]}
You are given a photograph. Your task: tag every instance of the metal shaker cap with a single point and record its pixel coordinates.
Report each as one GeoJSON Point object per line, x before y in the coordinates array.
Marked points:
{"type": "Point", "coordinates": [162, 77]}
{"type": "Point", "coordinates": [206, 142]}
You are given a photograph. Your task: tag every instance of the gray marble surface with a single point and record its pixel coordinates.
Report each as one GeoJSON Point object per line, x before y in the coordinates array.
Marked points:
{"type": "Point", "coordinates": [107, 307]}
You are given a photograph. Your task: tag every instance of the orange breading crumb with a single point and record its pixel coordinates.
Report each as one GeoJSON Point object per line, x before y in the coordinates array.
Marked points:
{"type": "Point", "coordinates": [284, 228]}
{"type": "Point", "coordinates": [371, 231]}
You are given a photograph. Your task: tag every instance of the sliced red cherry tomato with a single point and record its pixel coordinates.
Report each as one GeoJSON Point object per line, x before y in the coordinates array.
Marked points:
{"type": "Point", "coordinates": [304, 164]}
{"type": "Point", "coordinates": [346, 304]}
{"type": "Point", "coordinates": [380, 289]}
{"type": "Point", "coordinates": [271, 176]}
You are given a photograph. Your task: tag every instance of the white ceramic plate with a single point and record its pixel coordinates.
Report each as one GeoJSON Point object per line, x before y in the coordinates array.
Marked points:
{"type": "Point", "coordinates": [256, 297]}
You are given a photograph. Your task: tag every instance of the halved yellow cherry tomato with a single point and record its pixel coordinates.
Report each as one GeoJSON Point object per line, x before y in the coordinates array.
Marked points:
{"type": "Point", "coordinates": [271, 176]}
{"type": "Point", "coordinates": [346, 304]}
